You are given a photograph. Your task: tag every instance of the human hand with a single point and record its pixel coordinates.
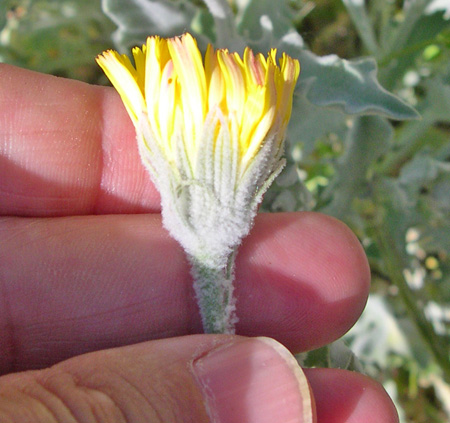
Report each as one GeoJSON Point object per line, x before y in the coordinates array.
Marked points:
{"type": "Point", "coordinates": [92, 284]}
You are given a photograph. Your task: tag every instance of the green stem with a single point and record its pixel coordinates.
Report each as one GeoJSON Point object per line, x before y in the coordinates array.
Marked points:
{"type": "Point", "coordinates": [213, 286]}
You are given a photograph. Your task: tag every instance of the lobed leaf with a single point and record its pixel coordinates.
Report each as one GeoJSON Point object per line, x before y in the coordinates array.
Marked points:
{"type": "Point", "coordinates": [351, 86]}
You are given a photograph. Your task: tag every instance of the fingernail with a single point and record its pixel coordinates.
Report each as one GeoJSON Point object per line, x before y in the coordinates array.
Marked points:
{"type": "Point", "coordinates": [255, 380]}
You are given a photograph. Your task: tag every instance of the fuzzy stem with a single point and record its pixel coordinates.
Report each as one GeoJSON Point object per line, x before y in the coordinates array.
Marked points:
{"type": "Point", "coordinates": [214, 291]}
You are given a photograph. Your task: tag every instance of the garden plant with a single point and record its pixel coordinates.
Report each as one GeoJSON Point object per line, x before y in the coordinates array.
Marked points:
{"type": "Point", "coordinates": [368, 143]}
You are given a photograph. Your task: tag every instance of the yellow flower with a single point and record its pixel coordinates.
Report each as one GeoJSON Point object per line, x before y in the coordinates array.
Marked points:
{"type": "Point", "coordinates": [210, 132]}
{"type": "Point", "coordinates": [177, 91]}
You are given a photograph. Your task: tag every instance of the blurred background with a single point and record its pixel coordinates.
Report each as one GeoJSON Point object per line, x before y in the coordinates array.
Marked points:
{"type": "Point", "coordinates": [369, 144]}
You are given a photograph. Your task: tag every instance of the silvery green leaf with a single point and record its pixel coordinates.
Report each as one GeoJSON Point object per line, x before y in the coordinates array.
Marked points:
{"type": "Point", "coordinates": [350, 85]}
{"type": "Point", "coordinates": [421, 170]}
{"type": "Point", "coordinates": [275, 15]}
{"type": "Point", "coordinates": [310, 123]}
{"type": "Point", "coordinates": [377, 334]}
{"type": "Point", "coordinates": [368, 138]}
{"type": "Point", "coordinates": [288, 192]}
{"type": "Point", "coordinates": [137, 19]}
{"type": "Point", "coordinates": [285, 201]}
{"type": "Point", "coordinates": [226, 31]}
{"type": "Point", "coordinates": [427, 181]}
{"type": "Point", "coordinates": [340, 356]}
{"type": "Point", "coordinates": [438, 99]}
{"type": "Point", "coordinates": [440, 192]}
{"type": "Point", "coordinates": [358, 13]}
{"type": "Point", "coordinates": [399, 211]}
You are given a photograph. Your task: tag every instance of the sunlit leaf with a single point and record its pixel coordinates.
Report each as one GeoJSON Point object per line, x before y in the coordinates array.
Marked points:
{"type": "Point", "coordinates": [351, 86]}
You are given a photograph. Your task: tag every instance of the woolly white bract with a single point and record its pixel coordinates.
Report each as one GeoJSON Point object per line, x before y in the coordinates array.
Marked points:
{"type": "Point", "coordinates": [211, 134]}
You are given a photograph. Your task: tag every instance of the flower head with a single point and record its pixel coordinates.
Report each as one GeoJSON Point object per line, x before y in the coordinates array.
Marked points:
{"type": "Point", "coordinates": [210, 131]}
{"type": "Point", "coordinates": [179, 93]}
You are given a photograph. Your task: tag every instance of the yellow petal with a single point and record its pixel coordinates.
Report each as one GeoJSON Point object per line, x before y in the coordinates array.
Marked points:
{"type": "Point", "coordinates": [214, 81]}
{"type": "Point", "coordinates": [188, 65]}
{"type": "Point", "coordinates": [139, 60]}
{"type": "Point", "coordinates": [117, 69]}
{"type": "Point", "coordinates": [170, 82]}
{"type": "Point", "coordinates": [166, 111]}
{"type": "Point", "coordinates": [234, 83]}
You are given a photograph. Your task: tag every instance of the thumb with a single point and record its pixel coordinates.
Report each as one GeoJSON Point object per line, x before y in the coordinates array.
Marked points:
{"type": "Point", "coordinates": [201, 379]}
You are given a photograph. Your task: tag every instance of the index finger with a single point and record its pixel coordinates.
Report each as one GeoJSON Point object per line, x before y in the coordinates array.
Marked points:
{"type": "Point", "coordinates": [67, 148]}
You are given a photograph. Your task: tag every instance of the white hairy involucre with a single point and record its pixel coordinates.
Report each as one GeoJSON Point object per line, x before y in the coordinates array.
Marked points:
{"type": "Point", "coordinates": [209, 201]}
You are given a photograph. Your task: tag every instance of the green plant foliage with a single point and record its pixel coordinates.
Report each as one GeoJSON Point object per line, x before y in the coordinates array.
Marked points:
{"type": "Point", "coordinates": [350, 85]}
{"type": "Point", "coordinates": [368, 142]}
{"type": "Point", "coordinates": [136, 19]}
{"type": "Point", "coordinates": [53, 36]}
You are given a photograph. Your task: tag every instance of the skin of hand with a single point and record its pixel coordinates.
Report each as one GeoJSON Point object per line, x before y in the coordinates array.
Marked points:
{"type": "Point", "coordinates": [98, 320]}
